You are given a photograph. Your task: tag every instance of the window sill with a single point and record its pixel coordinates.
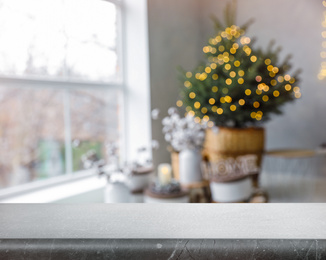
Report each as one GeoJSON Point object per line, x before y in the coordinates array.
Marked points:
{"type": "Point", "coordinates": [53, 190]}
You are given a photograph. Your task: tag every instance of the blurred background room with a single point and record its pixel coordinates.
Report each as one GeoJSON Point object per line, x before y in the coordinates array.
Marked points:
{"type": "Point", "coordinates": [162, 101]}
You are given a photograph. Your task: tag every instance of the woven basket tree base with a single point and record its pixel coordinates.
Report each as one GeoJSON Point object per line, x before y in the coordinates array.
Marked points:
{"type": "Point", "coordinates": [234, 142]}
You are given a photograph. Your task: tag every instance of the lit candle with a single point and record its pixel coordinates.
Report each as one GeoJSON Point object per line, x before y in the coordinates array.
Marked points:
{"type": "Point", "coordinates": [164, 173]}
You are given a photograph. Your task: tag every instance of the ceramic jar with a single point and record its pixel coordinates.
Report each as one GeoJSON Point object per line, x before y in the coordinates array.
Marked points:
{"type": "Point", "coordinates": [234, 191]}
{"type": "Point", "coordinates": [190, 166]}
{"type": "Point", "coordinates": [116, 190]}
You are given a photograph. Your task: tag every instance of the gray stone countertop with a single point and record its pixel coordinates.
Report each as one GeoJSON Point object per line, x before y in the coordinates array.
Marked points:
{"type": "Point", "coordinates": [168, 231]}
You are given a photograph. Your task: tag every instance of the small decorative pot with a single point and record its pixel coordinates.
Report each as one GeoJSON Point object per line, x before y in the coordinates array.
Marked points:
{"type": "Point", "coordinates": [190, 166]}
{"type": "Point", "coordinates": [139, 179]}
{"type": "Point", "coordinates": [151, 197]}
{"type": "Point", "coordinates": [116, 192]}
{"type": "Point", "coordinates": [235, 191]}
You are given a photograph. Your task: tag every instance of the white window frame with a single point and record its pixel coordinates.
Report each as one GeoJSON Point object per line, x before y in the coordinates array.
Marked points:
{"type": "Point", "coordinates": [135, 119]}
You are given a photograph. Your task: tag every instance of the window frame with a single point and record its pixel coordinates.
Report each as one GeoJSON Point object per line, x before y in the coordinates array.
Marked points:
{"type": "Point", "coordinates": [134, 87]}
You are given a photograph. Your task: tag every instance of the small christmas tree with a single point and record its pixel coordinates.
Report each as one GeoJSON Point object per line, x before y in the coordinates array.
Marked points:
{"type": "Point", "coordinates": [238, 85]}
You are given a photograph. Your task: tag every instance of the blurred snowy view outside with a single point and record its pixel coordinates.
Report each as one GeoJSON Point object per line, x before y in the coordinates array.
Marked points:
{"type": "Point", "coordinates": [55, 40]}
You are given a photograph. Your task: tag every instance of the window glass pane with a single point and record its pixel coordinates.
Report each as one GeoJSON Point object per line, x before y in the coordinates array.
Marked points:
{"type": "Point", "coordinates": [94, 122]}
{"type": "Point", "coordinates": [70, 39]}
{"type": "Point", "coordinates": [31, 134]}
{"type": "Point", "coordinates": [91, 47]}
{"type": "Point", "coordinates": [32, 130]}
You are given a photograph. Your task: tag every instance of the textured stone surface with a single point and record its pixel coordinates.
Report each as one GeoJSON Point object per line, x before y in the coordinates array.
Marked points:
{"type": "Point", "coordinates": [183, 231]}
{"type": "Point", "coordinates": [162, 249]}
{"type": "Point", "coordinates": [182, 221]}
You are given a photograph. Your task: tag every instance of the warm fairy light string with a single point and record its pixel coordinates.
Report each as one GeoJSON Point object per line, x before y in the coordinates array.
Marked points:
{"type": "Point", "coordinates": [322, 73]}
{"type": "Point", "coordinates": [228, 60]}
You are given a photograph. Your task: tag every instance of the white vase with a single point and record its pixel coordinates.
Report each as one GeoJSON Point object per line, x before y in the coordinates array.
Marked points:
{"type": "Point", "coordinates": [235, 191]}
{"type": "Point", "coordinates": [116, 192]}
{"type": "Point", "coordinates": [190, 166]}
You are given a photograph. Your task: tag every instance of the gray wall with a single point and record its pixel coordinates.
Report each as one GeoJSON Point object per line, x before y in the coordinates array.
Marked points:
{"type": "Point", "coordinates": [178, 29]}
{"type": "Point", "coordinates": [174, 40]}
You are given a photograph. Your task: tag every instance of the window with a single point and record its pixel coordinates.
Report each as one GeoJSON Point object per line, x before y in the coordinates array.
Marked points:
{"type": "Point", "coordinates": [61, 85]}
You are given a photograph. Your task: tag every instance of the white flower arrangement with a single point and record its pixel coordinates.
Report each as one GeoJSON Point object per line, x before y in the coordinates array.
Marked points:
{"type": "Point", "coordinates": [182, 133]}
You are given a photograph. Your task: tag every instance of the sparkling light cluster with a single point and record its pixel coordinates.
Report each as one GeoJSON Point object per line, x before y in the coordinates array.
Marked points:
{"type": "Point", "coordinates": [224, 85]}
